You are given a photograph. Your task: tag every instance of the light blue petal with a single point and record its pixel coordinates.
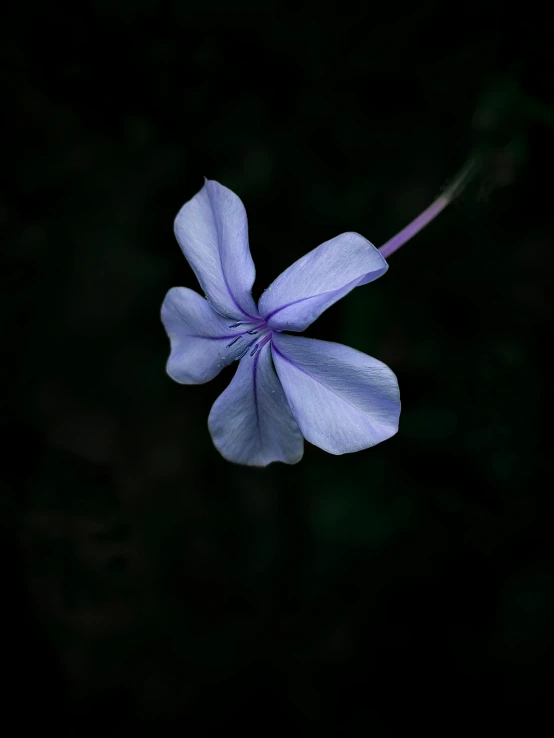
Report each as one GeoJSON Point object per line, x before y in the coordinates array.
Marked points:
{"type": "Point", "coordinates": [342, 400]}
{"type": "Point", "coordinates": [251, 422]}
{"type": "Point", "coordinates": [198, 337]}
{"type": "Point", "coordinates": [319, 279]}
{"type": "Point", "coordinates": [212, 231]}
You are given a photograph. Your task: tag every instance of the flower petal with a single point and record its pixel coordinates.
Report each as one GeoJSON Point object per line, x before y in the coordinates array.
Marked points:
{"type": "Point", "coordinates": [319, 279]}
{"type": "Point", "coordinates": [212, 231]}
{"type": "Point", "coordinates": [198, 336]}
{"type": "Point", "coordinates": [342, 399]}
{"type": "Point", "coordinates": [251, 422]}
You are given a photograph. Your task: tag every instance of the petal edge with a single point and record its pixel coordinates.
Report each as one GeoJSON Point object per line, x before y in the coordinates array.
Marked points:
{"type": "Point", "coordinates": [343, 400]}
{"type": "Point", "coordinates": [317, 280]}
{"type": "Point", "coordinates": [198, 335]}
{"type": "Point", "coordinates": [251, 422]}
{"type": "Point", "coordinates": [212, 231]}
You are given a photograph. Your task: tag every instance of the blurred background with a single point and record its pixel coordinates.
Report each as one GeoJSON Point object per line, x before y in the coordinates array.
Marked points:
{"type": "Point", "coordinates": [149, 584]}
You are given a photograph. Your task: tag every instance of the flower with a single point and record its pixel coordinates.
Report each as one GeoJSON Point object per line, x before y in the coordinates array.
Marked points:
{"type": "Point", "coordinates": [286, 387]}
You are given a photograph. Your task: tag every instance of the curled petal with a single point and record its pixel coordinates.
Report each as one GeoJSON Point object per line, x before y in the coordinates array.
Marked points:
{"type": "Point", "coordinates": [212, 231]}
{"type": "Point", "coordinates": [342, 399]}
{"type": "Point", "coordinates": [251, 422]}
{"type": "Point", "coordinates": [199, 337]}
{"type": "Point", "coordinates": [319, 279]}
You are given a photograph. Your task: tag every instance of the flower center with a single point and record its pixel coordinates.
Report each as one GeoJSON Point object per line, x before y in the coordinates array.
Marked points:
{"type": "Point", "coordinates": [262, 332]}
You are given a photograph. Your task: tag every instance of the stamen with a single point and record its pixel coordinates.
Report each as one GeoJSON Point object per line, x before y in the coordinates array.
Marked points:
{"type": "Point", "coordinates": [234, 341]}
{"type": "Point", "coordinates": [246, 349]}
{"type": "Point", "coordinates": [243, 353]}
{"type": "Point", "coordinates": [236, 325]}
{"type": "Point", "coordinates": [265, 339]}
{"type": "Point", "coordinates": [252, 332]}
{"type": "Point", "coordinates": [256, 347]}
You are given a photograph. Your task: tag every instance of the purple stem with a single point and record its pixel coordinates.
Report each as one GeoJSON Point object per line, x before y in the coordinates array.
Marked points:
{"type": "Point", "coordinates": [452, 191]}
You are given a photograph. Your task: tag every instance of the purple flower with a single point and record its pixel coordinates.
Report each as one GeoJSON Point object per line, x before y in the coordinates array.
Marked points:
{"type": "Point", "coordinates": [286, 387]}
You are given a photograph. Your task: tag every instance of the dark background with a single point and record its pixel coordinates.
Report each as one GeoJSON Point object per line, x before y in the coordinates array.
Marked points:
{"type": "Point", "coordinates": [149, 584]}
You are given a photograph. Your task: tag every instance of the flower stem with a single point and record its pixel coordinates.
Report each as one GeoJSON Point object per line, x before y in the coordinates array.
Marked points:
{"type": "Point", "coordinates": [458, 184]}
